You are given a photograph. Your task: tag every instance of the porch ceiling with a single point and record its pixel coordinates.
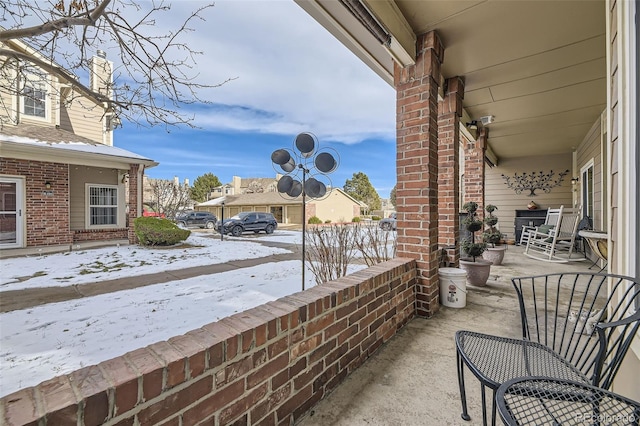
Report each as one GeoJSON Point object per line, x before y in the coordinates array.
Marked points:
{"type": "Point", "coordinates": [537, 66]}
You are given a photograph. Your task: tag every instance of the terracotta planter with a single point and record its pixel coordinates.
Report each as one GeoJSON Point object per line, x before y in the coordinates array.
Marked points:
{"type": "Point", "coordinates": [495, 255]}
{"type": "Point", "coordinates": [477, 272]}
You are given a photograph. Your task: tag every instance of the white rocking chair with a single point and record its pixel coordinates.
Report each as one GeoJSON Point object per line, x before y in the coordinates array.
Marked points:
{"type": "Point", "coordinates": [558, 244]}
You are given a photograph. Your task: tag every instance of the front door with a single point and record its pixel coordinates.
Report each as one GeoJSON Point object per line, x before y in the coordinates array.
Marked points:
{"type": "Point", "coordinates": [11, 212]}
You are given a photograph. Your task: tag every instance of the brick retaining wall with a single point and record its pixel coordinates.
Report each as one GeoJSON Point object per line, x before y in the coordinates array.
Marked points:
{"type": "Point", "coordinates": [268, 365]}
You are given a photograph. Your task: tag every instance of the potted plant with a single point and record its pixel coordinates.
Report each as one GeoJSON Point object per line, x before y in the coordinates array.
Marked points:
{"type": "Point", "coordinates": [477, 268]}
{"type": "Point", "coordinates": [493, 237]}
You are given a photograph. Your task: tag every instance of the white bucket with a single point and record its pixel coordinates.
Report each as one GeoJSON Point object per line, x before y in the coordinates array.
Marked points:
{"type": "Point", "coordinates": [453, 287]}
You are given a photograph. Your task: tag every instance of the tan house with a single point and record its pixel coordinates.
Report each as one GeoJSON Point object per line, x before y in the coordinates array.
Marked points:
{"type": "Point", "coordinates": [240, 185]}
{"type": "Point", "coordinates": [62, 182]}
{"type": "Point", "coordinates": [336, 207]}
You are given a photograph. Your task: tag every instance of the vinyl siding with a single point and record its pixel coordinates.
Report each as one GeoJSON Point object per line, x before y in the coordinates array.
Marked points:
{"type": "Point", "coordinates": [82, 117]}
{"type": "Point", "coordinates": [81, 175]}
{"type": "Point", "coordinates": [507, 201]}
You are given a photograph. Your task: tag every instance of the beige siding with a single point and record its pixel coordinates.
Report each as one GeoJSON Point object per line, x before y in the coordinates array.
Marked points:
{"type": "Point", "coordinates": [591, 149]}
{"type": "Point", "coordinates": [336, 208]}
{"type": "Point", "coordinates": [507, 201]}
{"type": "Point", "coordinates": [79, 176]}
{"type": "Point", "coordinates": [82, 117]}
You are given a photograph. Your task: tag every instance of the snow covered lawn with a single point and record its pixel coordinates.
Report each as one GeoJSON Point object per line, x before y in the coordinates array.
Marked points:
{"type": "Point", "coordinates": [49, 340]}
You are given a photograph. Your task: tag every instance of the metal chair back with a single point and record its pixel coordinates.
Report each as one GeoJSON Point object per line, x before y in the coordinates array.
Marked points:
{"type": "Point", "coordinates": [587, 318]}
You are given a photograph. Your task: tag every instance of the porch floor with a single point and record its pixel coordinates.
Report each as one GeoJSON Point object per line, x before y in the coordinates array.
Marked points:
{"type": "Point", "coordinates": [412, 379]}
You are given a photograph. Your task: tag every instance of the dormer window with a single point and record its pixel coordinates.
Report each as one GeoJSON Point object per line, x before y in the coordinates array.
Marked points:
{"type": "Point", "coordinates": [34, 93]}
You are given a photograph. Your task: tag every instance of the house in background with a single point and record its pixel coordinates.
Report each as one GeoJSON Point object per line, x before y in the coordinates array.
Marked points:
{"type": "Point", "coordinates": [62, 182]}
{"type": "Point", "coordinates": [337, 206]}
{"type": "Point", "coordinates": [240, 185]}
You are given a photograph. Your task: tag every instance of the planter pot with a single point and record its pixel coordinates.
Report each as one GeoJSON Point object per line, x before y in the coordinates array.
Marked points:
{"type": "Point", "coordinates": [495, 255]}
{"type": "Point", "coordinates": [477, 272]}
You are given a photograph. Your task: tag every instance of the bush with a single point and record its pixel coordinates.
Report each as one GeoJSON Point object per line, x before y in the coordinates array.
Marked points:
{"type": "Point", "coordinates": [154, 231]}
{"type": "Point", "coordinates": [356, 219]}
{"type": "Point", "coordinates": [314, 220]}
{"type": "Point", "coordinates": [327, 221]}
{"type": "Point", "coordinates": [375, 218]}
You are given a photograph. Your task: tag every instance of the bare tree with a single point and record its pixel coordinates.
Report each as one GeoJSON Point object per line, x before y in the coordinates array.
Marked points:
{"type": "Point", "coordinates": [168, 197]}
{"type": "Point", "coordinates": [155, 70]}
{"type": "Point", "coordinates": [331, 248]}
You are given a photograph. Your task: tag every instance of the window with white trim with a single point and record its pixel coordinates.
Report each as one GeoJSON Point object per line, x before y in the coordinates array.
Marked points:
{"type": "Point", "coordinates": [103, 205]}
{"type": "Point", "coordinates": [34, 93]}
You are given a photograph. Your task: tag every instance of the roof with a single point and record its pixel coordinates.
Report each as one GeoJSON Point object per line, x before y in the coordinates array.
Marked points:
{"type": "Point", "coordinates": [36, 139]}
{"type": "Point", "coordinates": [264, 198]}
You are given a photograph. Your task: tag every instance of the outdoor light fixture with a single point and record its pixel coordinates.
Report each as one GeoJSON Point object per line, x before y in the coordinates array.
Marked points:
{"type": "Point", "coordinates": [47, 185]}
{"type": "Point", "coordinates": [574, 181]}
{"type": "Point", "coordinates": [124, 178]}
{"type": "Point", "coordinates": [473, 125]}
{"type": "Point", "coordinates": [487, 119]}
{"type": "Point", "coordinates": [305, 169]}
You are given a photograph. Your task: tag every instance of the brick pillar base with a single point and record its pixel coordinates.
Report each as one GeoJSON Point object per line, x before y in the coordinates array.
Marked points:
{"type": "Point", "coordinates": [417, 166]}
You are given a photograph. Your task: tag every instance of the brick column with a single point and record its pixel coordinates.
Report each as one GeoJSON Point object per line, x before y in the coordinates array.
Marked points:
{"type": "Point", "coordinates": [474, 170]}
{"type": "Point", "coordinates": [417, 166]}
{"type": "Point", "coordinates": [133, 201]}
{"type": "Point", "coordinates": [449, 113]}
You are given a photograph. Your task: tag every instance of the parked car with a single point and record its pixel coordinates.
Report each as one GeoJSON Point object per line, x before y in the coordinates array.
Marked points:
{"type": "Point", "coordinates": [150, 213]}
{"type": "Point", "coordinates": [248, 221]}
{"type": "Point", "coordinates": [197, 219]}
{"type": "Point", "coordinates": [388, 223]}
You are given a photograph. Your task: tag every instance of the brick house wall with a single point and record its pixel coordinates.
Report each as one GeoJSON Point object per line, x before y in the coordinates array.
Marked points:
{"type": "Point", "coordinates": [47, 210]}
{"type": "Point", "coordinates": [265, 366]}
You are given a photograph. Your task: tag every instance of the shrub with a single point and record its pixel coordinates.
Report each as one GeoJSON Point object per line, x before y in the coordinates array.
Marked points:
{"type": "Point", "coordinates": [327, 221]}
{"type": "Point", "coordinates": [356, 219]}
{"type": "Point", "coordinates": [375, 218]}
{"type": "Point", "coordinates": [314, 220]}
{"type": "Point", "coordinates": [154, 231]}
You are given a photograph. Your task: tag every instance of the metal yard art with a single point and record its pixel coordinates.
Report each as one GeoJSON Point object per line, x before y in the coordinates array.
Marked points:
{"type": "Point", "coordinates": [306, 173]}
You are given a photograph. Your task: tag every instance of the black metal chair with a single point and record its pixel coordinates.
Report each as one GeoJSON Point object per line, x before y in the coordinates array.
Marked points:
{"type": "Point", "coordinates": [575, 326]}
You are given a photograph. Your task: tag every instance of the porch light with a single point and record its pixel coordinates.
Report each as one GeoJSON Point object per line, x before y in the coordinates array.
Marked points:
{"type": "Point", "coordinates": [574, 181]}
{"type": "Point", "coordinates": [47, 185]}
{"type": "Point", "coordinates": [473, 125]}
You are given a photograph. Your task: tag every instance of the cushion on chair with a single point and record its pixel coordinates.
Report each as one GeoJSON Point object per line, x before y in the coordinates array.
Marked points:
{"type": "Point", "coordinates": [544, 229]}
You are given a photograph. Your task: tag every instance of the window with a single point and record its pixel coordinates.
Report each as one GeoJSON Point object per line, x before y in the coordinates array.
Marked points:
{"type": "Point", "coordinates": [587, 190]}
{"type": "Point", "coordinates": [34, 93]}
{"type": "Point", "coordinates": [103, 205]}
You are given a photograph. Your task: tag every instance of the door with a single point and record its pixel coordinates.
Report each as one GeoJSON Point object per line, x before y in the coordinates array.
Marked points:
{"type": "Point", "coordinates": [11, 212]}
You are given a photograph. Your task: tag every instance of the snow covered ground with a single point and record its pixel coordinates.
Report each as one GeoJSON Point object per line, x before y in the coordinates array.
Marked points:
{"type": "Point", "coordinates": [57, 338]}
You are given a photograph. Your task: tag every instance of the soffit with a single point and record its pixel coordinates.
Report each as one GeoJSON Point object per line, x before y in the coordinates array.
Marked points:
{"type": "Point", "coordinates": [538, 66]}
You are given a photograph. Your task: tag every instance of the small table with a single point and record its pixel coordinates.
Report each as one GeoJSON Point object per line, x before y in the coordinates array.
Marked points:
{"type": "Point", "coordinates": [597, 240]}
{"type": "Point", "coordinates": [545, 401]}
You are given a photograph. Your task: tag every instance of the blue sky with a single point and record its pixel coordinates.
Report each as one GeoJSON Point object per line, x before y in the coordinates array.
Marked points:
{"type": "Point", "coordinates": [290, 76]}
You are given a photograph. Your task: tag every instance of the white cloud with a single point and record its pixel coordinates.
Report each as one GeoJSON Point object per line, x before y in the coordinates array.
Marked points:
{"type": "Point", "coordinates": [306, 82]}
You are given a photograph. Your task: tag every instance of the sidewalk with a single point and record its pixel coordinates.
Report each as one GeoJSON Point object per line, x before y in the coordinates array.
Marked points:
{"type": "Point", "coordinates": [28, 298]}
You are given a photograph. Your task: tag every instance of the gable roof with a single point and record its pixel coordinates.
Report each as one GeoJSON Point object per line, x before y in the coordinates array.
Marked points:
{"type": "Point", "coordinates": [266, 198]}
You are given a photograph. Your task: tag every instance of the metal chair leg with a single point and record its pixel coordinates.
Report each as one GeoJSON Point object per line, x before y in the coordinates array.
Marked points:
{"type": "Point", "coordinates": [463, 395]}
{"type": "Point", "coordinates": [493, 409]}
{"type": "Point", "coordinates": [484, 404]}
